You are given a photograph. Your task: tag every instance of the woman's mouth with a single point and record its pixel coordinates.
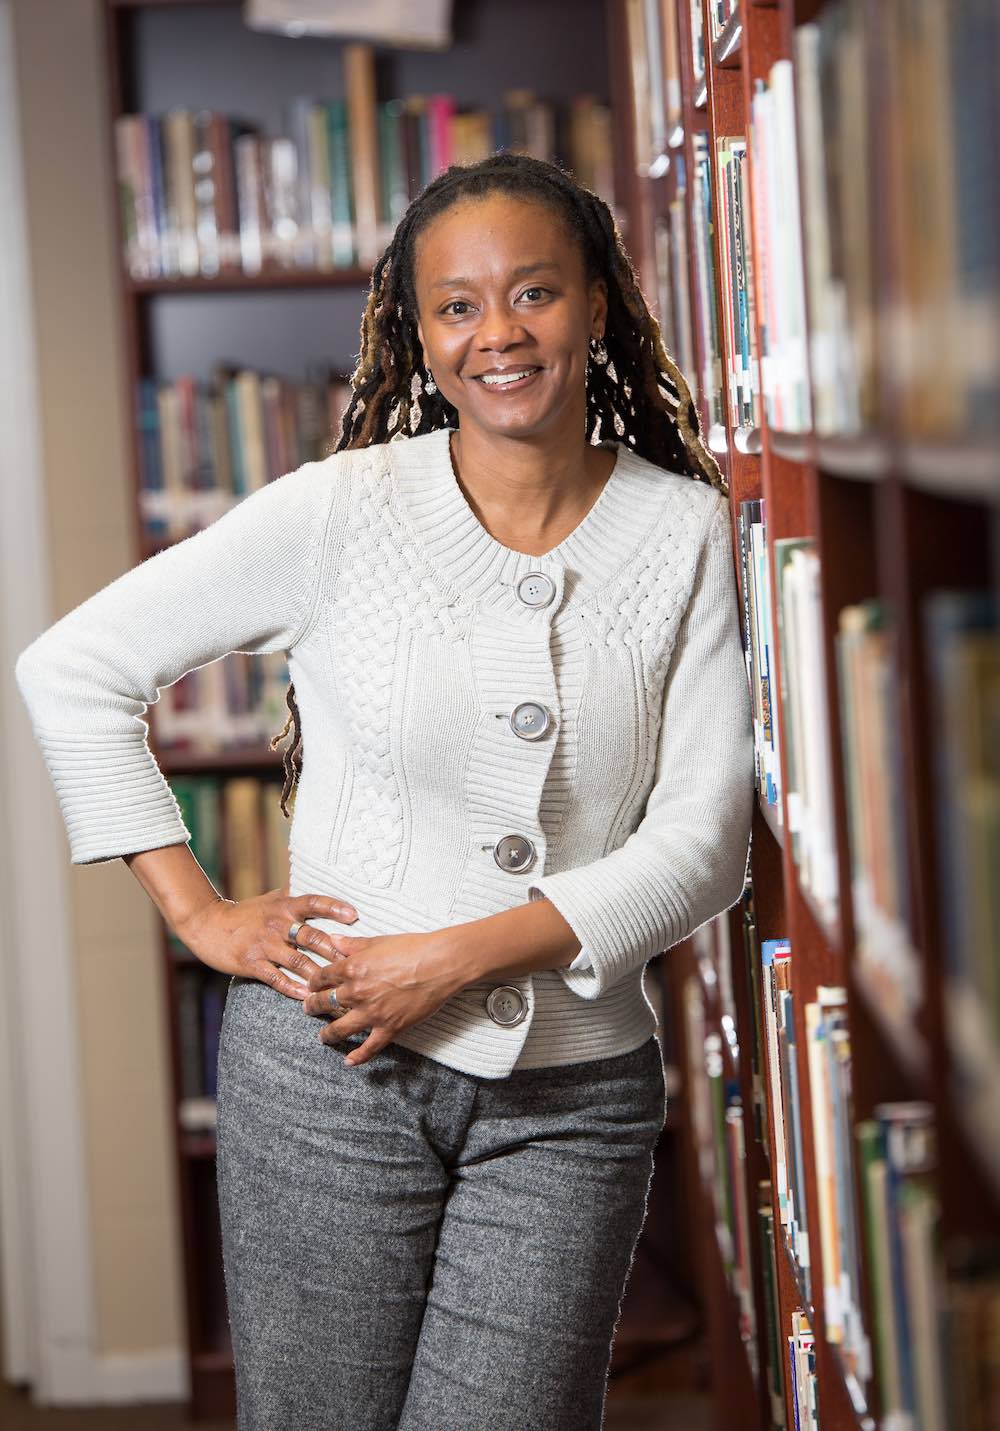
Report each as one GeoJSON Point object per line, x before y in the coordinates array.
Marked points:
{"type": "Point", "coordinates": [512, 380]}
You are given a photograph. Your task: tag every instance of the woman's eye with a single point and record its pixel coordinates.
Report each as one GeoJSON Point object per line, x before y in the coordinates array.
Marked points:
{"type": "Point", "coordinates": [455, 303]}
{"type": "Point", "coordinates": [529, 291]}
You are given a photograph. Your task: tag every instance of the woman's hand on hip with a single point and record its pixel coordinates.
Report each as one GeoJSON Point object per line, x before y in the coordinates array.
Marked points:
{"type": "Point", "coordinates": [386, 983]}
{"type": "Point", "coordinates": [249, 937]}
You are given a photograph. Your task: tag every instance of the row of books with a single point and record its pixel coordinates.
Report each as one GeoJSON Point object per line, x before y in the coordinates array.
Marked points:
{"type": "Point", "coordinates": [875, 788]}
{"type": "Point", "coordinates": [203, 193]}
{"type": "Point", "coordinates": [697, 23]}
{"type": "Point", "coordinates": [738, 306]}
{"type": "Point", "coordinates": [717, 1117]}
{"type": "Point", "coordinates": [239, 834]}
{"type": "Point", "coordinates": [758, 650]}
{"type": "Point", "coordinates": [963, 645]}
{"type": "Point", "coordinates": [656, 84]}
{"type": "Point", "coordinates": [719, 13]}
{"type": "Point", "coordinates": [962, 638]}
{"type": "Point", "coordinates": [771, 1347]}
{"type": "Point", "coordinates": [802, 1360]}
{"type": "Point", "coordinates": [834, 119]}
{"type": "Point", "coordinates": [828, 1054]}
{"type": "Point", "coordinates": [201, 998]}
{"type": "Point", "coordinates": [937, 114]}
{"type": "Point", "coordinates": [203, 446]}
{"type": "Point", "coordinates": [901, 1254]}
{"type": "Point", "coordinates": [753, 979]}
{"type": "Point", "coordinates": [232, 704]}
{"type": "Point", "coordinates": [781, 332]}
{"type": "Point", "coordinates": [811, 116]}
{"type": "Point", "coordinates": [709, 380]}
{"type": "Point", "coordinates": [802, 724]}
{"type": "Point", "coordinates": [673, 284]}
{"type": "Point", "coordinates": [785, 1102]}
{"type": "Point", "coordinates": [240, 838]}
{"type": "Point", "coordinates": [930, 1341]}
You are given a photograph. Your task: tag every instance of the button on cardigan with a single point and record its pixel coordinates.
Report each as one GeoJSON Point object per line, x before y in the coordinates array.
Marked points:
{"type": "Point", "coordinates": [410, 643]}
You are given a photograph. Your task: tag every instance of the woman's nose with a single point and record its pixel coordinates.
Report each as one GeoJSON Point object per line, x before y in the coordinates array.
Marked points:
{"type": "Point", "coordinates": [500, 329]}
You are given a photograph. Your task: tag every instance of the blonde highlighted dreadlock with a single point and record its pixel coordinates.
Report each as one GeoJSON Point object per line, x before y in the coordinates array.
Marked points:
{"type": "Point", "coordinates": [639, 393]}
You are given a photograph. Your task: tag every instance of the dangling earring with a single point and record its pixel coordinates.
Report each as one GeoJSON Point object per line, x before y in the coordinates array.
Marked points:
{"type": "Point", "coordinates": [416, 383]}
{"type": "Point", "coordinates": [430, 386]}
{"type": "Point", "coordinates": [598, 350]}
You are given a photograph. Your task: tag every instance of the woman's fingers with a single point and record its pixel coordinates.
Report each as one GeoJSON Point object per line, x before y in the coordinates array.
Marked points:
{"type": "Point", "coordinates": [319, 1002]}
{"type": "Point", "coordinates": [322, 906]}
{"type": "Point", "coordinates": [269, 973]}
{"type": "Point", "coordinates": [351, 1022]}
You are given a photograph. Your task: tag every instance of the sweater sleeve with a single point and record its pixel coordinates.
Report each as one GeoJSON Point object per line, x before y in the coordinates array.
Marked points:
{"type": "Point", "coordinates": [686, 860]}
{"type": "Point", "coordinates": [247, 582]}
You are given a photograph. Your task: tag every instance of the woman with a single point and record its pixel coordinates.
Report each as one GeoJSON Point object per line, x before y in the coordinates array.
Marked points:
{"type": "Point", "coordinates": [509, 608]}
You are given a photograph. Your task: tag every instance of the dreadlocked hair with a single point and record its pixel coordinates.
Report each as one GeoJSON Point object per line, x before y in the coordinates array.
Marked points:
{"type": "Point", "coordinates": [637, 393]}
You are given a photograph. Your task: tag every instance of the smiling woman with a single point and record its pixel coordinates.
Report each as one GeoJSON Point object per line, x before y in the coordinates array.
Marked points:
{"type": "Point", "coordinates": [507, 346]}
{"type": "Point", "coordinates": [508, 604]}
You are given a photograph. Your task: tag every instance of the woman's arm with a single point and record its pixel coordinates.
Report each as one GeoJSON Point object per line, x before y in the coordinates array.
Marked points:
{"type": "Point", "coordinates": [175, 882]}
{"type": "Point", "coordinates": [247, 582]}
{"type": "Point", "coordinates": [522, 940]}
{"type": "Point", "coordinates": [686, 860]}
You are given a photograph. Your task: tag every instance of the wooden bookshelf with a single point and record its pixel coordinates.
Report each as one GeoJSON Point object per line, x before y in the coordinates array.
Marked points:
{"type": "Point", "coordinates": [892, 513]}
{"type": "Point", "coordinates": [149, 44]}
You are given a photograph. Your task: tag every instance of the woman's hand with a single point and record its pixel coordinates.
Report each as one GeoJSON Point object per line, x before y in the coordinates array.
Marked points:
{"type": "Point", "coordinates": [249, 936]}
{"type": "Point", "coordinates": [386, 982]}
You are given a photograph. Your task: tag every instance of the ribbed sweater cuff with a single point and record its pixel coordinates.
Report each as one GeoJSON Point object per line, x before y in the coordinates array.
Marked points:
{"type": "Point", "coordinates": [622, 911]}
{"type": "Point", "coordinates": [113, 796]}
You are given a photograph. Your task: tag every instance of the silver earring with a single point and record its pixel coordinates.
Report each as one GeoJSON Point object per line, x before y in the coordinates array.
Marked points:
{"type": "Point", "coordinates": [430, 386]}
{"type": "Point", "coordinates": [598, 350]}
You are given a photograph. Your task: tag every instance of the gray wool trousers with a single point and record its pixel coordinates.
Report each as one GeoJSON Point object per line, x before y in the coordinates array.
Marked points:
{"type": "Point", "coordinates": [408, 1247]}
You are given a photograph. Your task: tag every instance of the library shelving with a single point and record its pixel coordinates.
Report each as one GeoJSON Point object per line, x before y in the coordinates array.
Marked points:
{"type": "Point", "coordinates": [817, 213]}
{"type": "Point", "coordinates": [237, 339]}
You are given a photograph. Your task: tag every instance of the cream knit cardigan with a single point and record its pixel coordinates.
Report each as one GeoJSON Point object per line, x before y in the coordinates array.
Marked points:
{"type": "Point", "coordinates": [408, 647]}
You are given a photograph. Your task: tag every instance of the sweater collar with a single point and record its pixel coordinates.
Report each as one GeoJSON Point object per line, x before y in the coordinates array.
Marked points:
{"type": "Point", "coordinates": [476, 564]}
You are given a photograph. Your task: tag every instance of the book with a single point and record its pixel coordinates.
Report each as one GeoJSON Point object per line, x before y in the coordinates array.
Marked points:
{"type": "Point", "coordinates": [809, 799]}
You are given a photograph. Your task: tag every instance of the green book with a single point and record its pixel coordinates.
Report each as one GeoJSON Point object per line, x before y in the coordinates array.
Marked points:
{"type": "Point", "coordinates": [341, 189]}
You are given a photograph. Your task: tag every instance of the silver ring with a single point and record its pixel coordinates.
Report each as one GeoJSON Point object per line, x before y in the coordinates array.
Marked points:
{"type": "Point", "coordinates": [333, 1000]}
{"type": "Point", "coordinates": [293, 932]}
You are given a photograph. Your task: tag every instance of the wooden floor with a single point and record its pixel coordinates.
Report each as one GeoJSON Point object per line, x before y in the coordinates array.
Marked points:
{"type": "Point", "coordinates": [646, 1399]}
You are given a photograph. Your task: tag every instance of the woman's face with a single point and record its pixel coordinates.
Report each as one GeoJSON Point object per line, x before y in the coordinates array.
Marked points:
{"type": "Point", "coordinates": [505, 315]}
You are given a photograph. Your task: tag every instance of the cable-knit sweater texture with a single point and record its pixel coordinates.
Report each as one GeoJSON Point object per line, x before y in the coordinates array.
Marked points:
{"type": "Point", "coordinates": [409, 645]}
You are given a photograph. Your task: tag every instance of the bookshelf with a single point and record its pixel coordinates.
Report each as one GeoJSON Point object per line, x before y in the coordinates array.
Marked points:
{"type": "Point", "coordinates": [182, 327]}
{"type": "Point", "coordinates": [818, 301]}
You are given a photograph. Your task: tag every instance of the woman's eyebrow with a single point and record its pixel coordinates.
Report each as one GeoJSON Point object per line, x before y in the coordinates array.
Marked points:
{"type": "Point", "coordinates": [522, 271]}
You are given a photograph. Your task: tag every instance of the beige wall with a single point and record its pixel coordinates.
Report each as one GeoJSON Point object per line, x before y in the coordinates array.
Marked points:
{"type": "Point", "coordinates": [84, 411]}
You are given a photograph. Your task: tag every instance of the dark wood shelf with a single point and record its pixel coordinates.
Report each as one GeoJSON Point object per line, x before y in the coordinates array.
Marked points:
{"type": "Point", "coordinates": [770, 816]}
{"type": "Point", "coordinates": [235, 282]}
{"type": "Point", "coordinates": [726, 49]}
{"type": "Point", "coordinates": [964, 468]}
{"type": "Point", "coordinates": [891, 515]}
{"type": "Point", "coordinates": [868, 457]}
{"type": "Point", "coordinates": [907, 1044]}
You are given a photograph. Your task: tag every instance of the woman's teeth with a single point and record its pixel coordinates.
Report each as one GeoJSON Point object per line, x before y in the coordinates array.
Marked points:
{"type": "Point", "coordinates": [499, 380]}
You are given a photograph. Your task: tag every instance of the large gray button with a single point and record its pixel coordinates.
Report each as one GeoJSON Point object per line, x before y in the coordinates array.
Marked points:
{"type": "Point", "coordinates": [530, 720]}
{"type": "Point", "coordinates": [506, 1005]}
{"type": "Point", "coordinates": [535, 589]}
{"type": "Point", "coordinates": [514, 852]}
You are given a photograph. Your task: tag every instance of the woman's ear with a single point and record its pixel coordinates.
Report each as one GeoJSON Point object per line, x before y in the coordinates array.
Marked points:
{"type": "Point", "coordinates": [598, 307]}
{"type": "Point", "coordinates": [423, 349]}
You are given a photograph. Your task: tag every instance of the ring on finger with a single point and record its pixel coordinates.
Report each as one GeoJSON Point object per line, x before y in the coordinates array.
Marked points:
{"type": "Point", "coordinates": [293, 932]}
{"type": "Point", "coordinates": [336, 1005]}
